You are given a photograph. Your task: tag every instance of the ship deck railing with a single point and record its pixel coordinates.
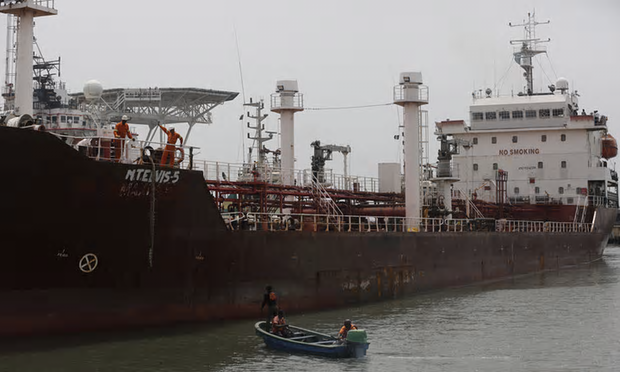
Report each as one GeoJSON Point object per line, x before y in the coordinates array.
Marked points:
{"type": "Point", "coordinates": [254, 221]}
{"type": "Point", "coordinates": [214, 171]}
{"type": "Point", "coordinates": [608, 200]}
{"type": "Point", "coordinates": [123, 150]}
{"type": "Point", "coordinates": [541, 226]}
{"type": "Point", "coordinates": [107, 148]}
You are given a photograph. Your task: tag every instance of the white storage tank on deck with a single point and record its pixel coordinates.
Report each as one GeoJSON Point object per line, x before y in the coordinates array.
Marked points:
{"type": "Point", "coordinates": [390, 177]}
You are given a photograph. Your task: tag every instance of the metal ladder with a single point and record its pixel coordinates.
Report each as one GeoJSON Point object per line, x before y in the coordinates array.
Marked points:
{"type": "Point", "coordinates": [580, 210]}
{"type": "Point", "coordinates": [120, 100]}
{"type": "Point", "coordinates": [325, 202]}
{"type": "Point", "coordinates": [471, 204]}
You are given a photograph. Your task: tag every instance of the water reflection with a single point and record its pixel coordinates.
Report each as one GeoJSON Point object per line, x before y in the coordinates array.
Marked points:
{"type": "Point", "coordinates": [555, 321]}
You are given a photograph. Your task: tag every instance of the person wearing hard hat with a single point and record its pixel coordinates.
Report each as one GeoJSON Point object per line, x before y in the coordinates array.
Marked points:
{"type": "Point", "coordinates": [121, 130]}
{"type": "Point", "coordinates": [173, 136]}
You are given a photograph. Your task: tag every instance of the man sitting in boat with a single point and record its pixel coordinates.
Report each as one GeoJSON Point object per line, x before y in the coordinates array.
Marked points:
{"type": "Point", "coordinates": [344, 331]}
{"type": "Point", "coordinates": [278, 325]}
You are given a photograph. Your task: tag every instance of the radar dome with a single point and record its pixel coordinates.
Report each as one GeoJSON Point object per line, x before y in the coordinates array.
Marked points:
{"type": "Point", "coordinates": [561, 84]}
{"type": "Point", "coordinates": [92, 89]}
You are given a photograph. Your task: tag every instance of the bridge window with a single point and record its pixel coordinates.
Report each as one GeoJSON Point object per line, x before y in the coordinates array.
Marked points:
{"type": "Point", "coordinates": [540, 165]}
{"type": "Point", "coordinates": [543, 138]}
{"type": "Point", "coordinates": [504, 115]}
{"type": "Point", "coordinates": [475, 141]}
{"type": "Point", "coordinates": [517, 114]}
{"type": "Point", "coordinates": [558, 113]}
{"type": "Point", "coordinates": [544, 113]}
{"type": "Point", "coordinates": [563, 137]}
{"type": "Point", "coordinates": [477, 116]}
{"type": "Point", "coordinates": [493, 139]}
{"type": "Point", "coordinates": [54, 119]}
{"type": "Point", "coordinates": [560, 190]}
{"type": "Point", "coordinates": [63, 119]}
{"type": "Point", "coordinates": [530, 114]}
{"type": "Point", "coordinates": [491, 115]}
{"type": "Point", "coordinates": [563, 164]}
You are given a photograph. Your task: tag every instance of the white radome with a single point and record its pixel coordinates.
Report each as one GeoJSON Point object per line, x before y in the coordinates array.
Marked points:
{"type": "Point", "coordinates": [93, 89]}
{"type": "Point", "coordinates": [561, 84]}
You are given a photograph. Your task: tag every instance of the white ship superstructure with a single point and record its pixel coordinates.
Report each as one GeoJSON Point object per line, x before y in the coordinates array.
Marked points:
{"type": "Point", "coordinates": [546, 146]}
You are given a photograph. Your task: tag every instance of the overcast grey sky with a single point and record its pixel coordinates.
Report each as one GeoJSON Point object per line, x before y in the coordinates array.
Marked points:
{"type": "Point", "coordinates": [342, 52]}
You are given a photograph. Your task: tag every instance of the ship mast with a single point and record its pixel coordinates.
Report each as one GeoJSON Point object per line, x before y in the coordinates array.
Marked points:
{"type": "Point", "coordinates": [529, 47]}
{"type": "Point", "coordinates": [259, 139]}
{"type": "Point", "coordinates": [9, 79]}
{"type": "Point", "coordinates": [25, 11]}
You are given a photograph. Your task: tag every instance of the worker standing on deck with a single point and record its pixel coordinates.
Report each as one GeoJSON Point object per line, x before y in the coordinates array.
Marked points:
{"type": "Point", "coordinates": [170, 146]}
{"type": "Point", "coordinates": [121, 130]}
{"type": "Point", "coordinates": [271, 301]}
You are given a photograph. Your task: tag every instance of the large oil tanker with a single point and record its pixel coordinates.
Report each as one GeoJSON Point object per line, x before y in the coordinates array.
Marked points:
{"type": "Point", "coordinates": [113, 244]}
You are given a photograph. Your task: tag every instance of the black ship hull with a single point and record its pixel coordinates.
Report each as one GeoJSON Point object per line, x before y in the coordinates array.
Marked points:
{"type": "Point", "coordinates": [91, 245]}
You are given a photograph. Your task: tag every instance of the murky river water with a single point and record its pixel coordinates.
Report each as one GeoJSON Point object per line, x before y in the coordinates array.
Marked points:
{"type": "Point", "coordinates": [556, 321]}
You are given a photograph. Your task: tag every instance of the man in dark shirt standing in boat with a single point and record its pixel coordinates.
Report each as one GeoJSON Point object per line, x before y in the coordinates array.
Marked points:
{"type": "Point", "coordinates": [271, 301]}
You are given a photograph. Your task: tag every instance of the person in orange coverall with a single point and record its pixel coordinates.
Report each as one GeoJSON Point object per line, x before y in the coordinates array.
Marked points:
{"type": "Point", "coordinates": [170, 146]}
{"type": "Point", "coordinates": [121, 130]}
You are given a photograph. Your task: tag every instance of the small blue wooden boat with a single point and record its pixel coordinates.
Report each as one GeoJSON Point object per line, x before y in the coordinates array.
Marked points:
{"type": "Point", "coordinates": [311, 342]}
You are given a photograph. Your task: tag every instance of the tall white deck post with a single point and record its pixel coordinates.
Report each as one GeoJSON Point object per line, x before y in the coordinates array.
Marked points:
{"type": "Point", "coordinates": [23, 72]}
{"type": "Point", "coordinates": [26, 10]}
{"type": "Point", "coordinates": [287, 101]}
{"type": "Point", "coordinates": [411, 94]}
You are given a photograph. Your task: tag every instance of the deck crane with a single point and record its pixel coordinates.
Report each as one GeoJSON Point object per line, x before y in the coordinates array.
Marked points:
{"type": "Point", "coordinates": [324, 153]}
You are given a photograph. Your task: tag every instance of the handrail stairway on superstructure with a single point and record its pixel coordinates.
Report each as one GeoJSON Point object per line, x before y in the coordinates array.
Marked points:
{"type": "Point", "coordinates": [470, 203]}
{"type": "Point", "coordinates": [325, 202]}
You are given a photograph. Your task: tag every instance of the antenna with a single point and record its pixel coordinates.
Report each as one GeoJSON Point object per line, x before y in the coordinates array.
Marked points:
{"type": "Point", "coordinates": [239, 62]}
{"type": "Point", "coordinates": [242, 92]}
{"type": "Point", "coordinates": [529, 47]}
